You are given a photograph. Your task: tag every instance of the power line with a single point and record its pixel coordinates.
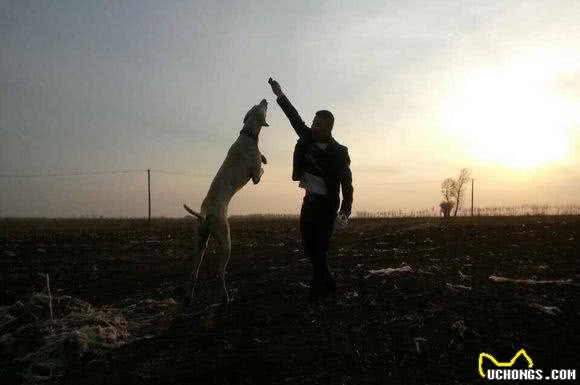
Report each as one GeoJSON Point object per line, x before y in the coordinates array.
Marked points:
{"type": "Point", "coordinates": [200, 175]}
{"type": "Point", "coordinates": [70, 174]}
{"type": "Point", "coordinates": [180, 173]}
{"type": "Point", "coordinates": [278, 179]}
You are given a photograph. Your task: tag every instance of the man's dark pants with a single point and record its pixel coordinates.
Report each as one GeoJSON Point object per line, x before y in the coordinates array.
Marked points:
{"type": "Point", "coordinates": [316, 224]}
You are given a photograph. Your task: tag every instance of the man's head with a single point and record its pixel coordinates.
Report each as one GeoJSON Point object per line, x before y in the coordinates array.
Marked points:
{"type": "Point", "coordinates": [322, 125]}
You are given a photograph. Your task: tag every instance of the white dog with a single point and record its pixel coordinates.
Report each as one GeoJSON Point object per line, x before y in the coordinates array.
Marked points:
{"type": "Point", "coordinates": [243, 162]}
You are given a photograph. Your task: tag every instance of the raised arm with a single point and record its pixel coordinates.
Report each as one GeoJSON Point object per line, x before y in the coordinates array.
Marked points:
{"type": "Point", "coordinates": [293, 116]}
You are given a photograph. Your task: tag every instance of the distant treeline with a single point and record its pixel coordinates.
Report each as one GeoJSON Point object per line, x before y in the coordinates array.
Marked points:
{"type": "Point", "coordinates": [263, 216]}
{"type": "Point", "coordinates": [524, 209]}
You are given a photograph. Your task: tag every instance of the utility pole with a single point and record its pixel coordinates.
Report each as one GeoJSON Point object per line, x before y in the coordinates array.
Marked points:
{"type": "Point", "coordinates": [472, 196]}
{"type": "Point", "coordinates": [149, 194]}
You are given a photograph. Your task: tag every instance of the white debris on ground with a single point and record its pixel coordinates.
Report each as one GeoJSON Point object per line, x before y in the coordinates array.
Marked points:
{"type": "Point", "coordinates": [457, 287]}
{"type": "Point", "coordinates": [463, 277]}
{"type": "Point", "coordinates": [495, 278]}
{"type": "Point", "coordinates": [418, 342]}
{"type": "Point", "coordinates": [351, 294]}
{"type": "Point", "coordinates": [550, 310]}
{"type": "Point", "coordinates": [391, 270]}
{"type": "Point", "coordinates": [44, 348]}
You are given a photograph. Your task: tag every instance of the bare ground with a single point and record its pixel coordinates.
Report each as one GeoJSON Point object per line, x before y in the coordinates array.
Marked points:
{"type": "Point", "coordinates": [425, 326]}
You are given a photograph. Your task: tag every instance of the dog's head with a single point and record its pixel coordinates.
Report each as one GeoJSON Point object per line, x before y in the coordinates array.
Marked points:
{"type": "Point", "coordinates": [257, 115]}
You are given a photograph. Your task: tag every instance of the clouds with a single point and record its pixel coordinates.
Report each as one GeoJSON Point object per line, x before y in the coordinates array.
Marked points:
{"type": "Point", "coordinates": [134, 84]}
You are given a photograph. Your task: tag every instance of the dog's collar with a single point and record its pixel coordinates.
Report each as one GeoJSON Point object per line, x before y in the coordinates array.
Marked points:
{"type": "Point", "coordinates": [249, 133]}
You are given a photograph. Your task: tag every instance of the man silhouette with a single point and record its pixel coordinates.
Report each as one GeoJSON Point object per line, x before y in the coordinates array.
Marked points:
{"type": "Point", "coordinates": [322, 166]}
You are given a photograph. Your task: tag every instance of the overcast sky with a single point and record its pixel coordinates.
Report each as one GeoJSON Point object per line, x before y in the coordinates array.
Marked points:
{"type": "Point", "coordinates": [419, 89]}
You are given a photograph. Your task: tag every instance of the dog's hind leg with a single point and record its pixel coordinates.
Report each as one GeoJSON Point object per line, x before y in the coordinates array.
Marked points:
{"type": "Point", "coordinates": [224, 244]}
{"type": "Point", "coordinates": [201, 245]}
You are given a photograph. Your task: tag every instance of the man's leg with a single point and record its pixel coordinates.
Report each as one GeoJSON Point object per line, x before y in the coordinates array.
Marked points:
{"type": "Point", "coordinates": [310, 228]}
{"type": "Point", "coordinates": [307, 233]}
{"type": "Point", "coordinates": [326, 234]}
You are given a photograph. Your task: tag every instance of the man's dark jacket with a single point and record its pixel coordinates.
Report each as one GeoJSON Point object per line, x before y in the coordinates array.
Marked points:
{"type": "Point", "coordinates": [337, 170]}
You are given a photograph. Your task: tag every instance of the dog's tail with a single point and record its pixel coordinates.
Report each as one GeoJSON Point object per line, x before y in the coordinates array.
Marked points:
{"type": "Point", "coordinates": [193, 212]}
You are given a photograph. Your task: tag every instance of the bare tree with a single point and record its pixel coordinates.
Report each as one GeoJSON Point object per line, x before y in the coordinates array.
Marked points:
{"type": "Point", "coordinates": [446, 208]}
{"type": "Point", "coordinates": [464, 177]}
{"type": "Point", "coordinates": [448, 189]}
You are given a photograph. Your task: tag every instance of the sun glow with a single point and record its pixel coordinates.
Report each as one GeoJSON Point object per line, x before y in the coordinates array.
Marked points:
{"type": "Point", "coordinates": [511, 115]}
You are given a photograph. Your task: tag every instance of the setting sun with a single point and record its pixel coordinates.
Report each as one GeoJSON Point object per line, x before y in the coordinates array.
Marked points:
{"type": "Point", "coordinates": [510, 115]}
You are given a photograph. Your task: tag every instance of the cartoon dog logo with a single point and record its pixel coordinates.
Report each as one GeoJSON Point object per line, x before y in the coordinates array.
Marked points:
{"type": "Point", "coordinates": [509, 364]}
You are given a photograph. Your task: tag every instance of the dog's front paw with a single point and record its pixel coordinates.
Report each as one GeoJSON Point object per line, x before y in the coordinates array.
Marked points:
{"type": "Point", "coordinates": [264, 160]}
{"type": "Point", "coordinates": [257, 178]}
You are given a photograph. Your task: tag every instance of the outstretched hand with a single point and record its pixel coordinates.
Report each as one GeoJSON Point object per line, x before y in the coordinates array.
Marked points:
{"type": "Point", "coordinates": [342, 219]}
{"type": "Point", "coordinates": [276, 89]}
